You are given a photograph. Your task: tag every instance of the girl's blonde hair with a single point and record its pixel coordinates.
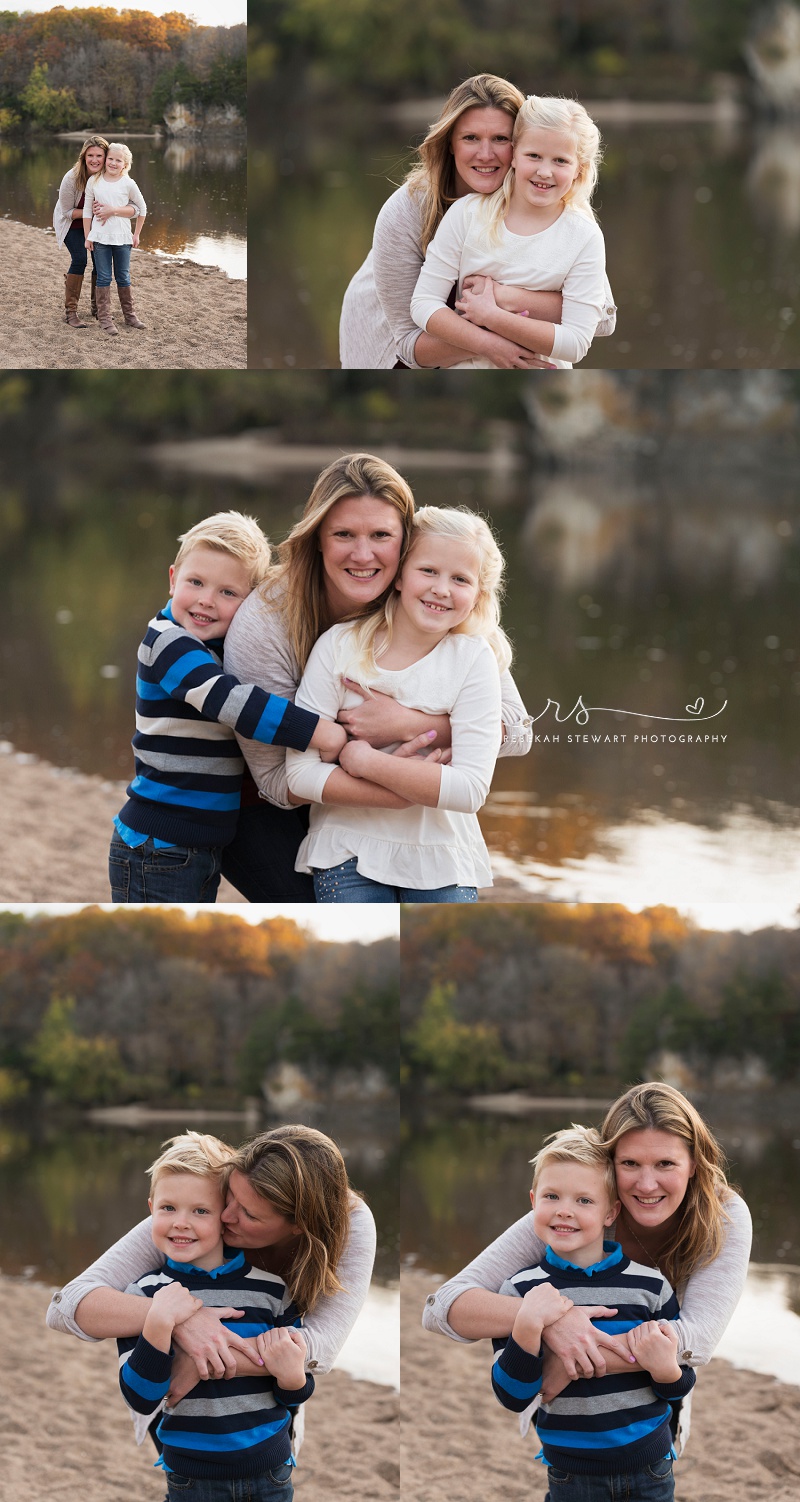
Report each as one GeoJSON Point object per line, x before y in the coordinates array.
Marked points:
{"type": "Point", "coordinates": [577, 1144]}
{"type": "Point", "coordinates": [296, 585]}
{"type": "Point", "coordinates": [540, 112]}
{"type": "Point", "coordinates": [234, 533]}
{"type": "Point", "coordinates": [302, 1173]}
{"type": "Point", "coordinates": [433, 177]}
{"type": "Point", "coordinates": [197, 1153]}
{"type": "Point", "coordinates": [700, 1233]}
{"type": "Point", "coordinates": [80, 169]}
{"type": "Point", "coordinates": [126, 154]}
{"type": "Point", "coordinates": [456, 522]}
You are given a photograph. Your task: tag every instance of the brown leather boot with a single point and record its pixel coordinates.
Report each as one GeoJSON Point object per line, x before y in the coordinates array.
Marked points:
{"type": "Point", "coordinates": [104, 318]}
{"type": "Point", "coordinates": [72, 291]}
{"type": "Point", "coordinates": [126, 303]}
{"type": "Point", "coordinates": [93, 301]}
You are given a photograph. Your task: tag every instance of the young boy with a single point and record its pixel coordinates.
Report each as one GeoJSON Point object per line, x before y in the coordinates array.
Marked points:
{"type": "Point", "coordinates": [229, 1437]}
{"type": "Point", "coordinates": [599, 1430]}
{"type": "Point", "coordinates": [183, 803]}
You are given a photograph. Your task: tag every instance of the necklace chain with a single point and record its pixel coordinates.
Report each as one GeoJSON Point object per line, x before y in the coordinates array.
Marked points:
{"type": "Point", "coordinates": [647, 1254]}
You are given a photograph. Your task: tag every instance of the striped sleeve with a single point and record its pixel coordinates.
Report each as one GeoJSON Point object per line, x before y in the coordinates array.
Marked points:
{"type": "Point", "coordinates": [516, 1376]}
{"type": "Point", "coordinates": [144, 1374]}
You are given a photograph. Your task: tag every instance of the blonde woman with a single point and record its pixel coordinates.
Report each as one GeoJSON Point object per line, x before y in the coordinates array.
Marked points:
{"type": "Point", "coordinates": [338, 564]}
{"type": "Point", "coordinates": [537, 232]}
{"type": "Point", "coordinates": [67, 217]}
{"type": "Point", "coordinates": [291, 1207]}
{"type": "Point", "coordinates": [466, 151]}
{"type": "Point", "coordinates": [678, 1213]}
{"type": "Point", "coordinates": [111, 239]}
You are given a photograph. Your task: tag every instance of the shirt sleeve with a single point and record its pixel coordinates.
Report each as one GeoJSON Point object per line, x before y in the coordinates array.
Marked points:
{"type": "Point", "coordinates": [128, 1259]}
{"type": "Point", "coordinates": [144, 1375]}
{"type": "Point", "coordinates": [257, 650]}
{"type": "Point", "coordinates": [582, 301]}
{"type": "Point", "coordinates": [517, 723]}
{"type": "Point", "coordinates": [515, 1248]}
{"type": "Point", "coordinates": [329, 1323]}
{"type": "Point", "coordinates": [712, 1293]}
{"type": "Point", "coordinates": [321, 685]}
{"type": "Point", "coordinates": [135, 197]}
{"type": "Point", "coordinates": [396, 262]}
{"type": "Point", "coordinates": [608, 322]}
{"type": "Point", "coordinates": [474, 724]}
{"type": "Point", "coordinates": [67, 194]}
{"type": "Point", "coordinates": [516, 1375]}
{"type": "Point", "coordinates": [442, 265]}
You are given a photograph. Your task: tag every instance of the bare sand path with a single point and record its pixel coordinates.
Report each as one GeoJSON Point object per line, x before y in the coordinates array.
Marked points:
{"type": "Point", "coordinates": [196, 318]}
{"type": "Point", "coordinates": [459, 1445]}
{"type": "Point", "coordinates": [66, 1435]}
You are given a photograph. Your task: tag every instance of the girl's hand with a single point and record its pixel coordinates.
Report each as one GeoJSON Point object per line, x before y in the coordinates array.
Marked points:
{"type": "Point", "coordinates": [574, 1338]}
{"type": "Point", "coordinates": [478, 306]}
{"type": "Point", "coordinates": [210, 1344]}
{"type": "Point", "coordinates": [135, 241]}
{"type": "Point", "coordinates": [284, 1354]}
{"type": "Point", "coordinates": [89, 244]}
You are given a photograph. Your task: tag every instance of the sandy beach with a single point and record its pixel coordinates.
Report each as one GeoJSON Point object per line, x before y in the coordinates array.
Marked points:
{"type": "Point", "coordinates": [196, 318]}
{"type": "Point", "coordinates": [459, 1445]}
{"type": "Point", "coordinates": [58, 826]}
{"type": "Point", "coordinates": [80, 1448]}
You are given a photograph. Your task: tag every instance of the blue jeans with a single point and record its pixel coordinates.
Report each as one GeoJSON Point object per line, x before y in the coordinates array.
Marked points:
{"type": "Point", "coordinates": [654, 1484]}
{"type": "Point", "coordinates": [177, 874]}
{"type": "Point", "coordinates": [346, 884]}
{"type": "Point", "coordinates": [272, 1486]}
{"type": "Point", "coordinates": [116, 256]}
{"type": "Point", "coordinates": [260, 860]}
{"type": "Point", "coordinates": [75, 243]}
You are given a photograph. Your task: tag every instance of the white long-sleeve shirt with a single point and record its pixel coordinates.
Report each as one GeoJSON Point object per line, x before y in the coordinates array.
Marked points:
{"type": "Point", "coordinates": [569, 257]}
{"type": "Point", "coordinates": [116, 230]}
{"type": "Point", "coordinates": [413, 847]}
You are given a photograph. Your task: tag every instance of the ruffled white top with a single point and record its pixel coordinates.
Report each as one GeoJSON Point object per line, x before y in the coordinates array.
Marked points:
{"type": "Point", "coordinates": [407, 847]}
{"type": "Point", "coordinates": [569, 257]}
{"type": "Point", "coordinates": [117, 230]}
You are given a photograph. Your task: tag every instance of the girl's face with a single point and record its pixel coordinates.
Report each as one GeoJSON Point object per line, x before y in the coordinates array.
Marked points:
{"type": "Point", "coordinates": [653, 1170]}
{"type": "Point", "coordinates": [94, 159]}
{"type": "Point", "coordinates": [360, 540]}
{"type": "Point", "coordinates": [545, 166]}
{"type": "Point", "coordinates": [481, 145]}
{"type": "Point", "coordinates": [249, 1220]}
{"type": "Point", "coordinates": [115, 164]}
{"type": "Point", "coordinates": [438, 586]}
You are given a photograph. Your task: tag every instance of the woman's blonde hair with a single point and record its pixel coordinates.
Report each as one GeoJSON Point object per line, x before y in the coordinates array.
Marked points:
{"type": "Point", "coordinates": [302, 1173]}
{"type": "Point", "coordinates": [197, 1153]}
{"type": "Point", "coordinates": [700, 1233]}
{"type": "Point", "coordinates": [297, 585]}
{"type": "Point", "coordinates": [540, 112]}
{"type": "Point", "coordinates": [363, 647]}
{"type": "Point", "coordinates": [577, 1144]}
{"type": "Point", "coordinates": [80, 169]}
{"type": "Point", "coordinates": [234, 533]}
{"type": "Point", "coordinates": [433, 177]}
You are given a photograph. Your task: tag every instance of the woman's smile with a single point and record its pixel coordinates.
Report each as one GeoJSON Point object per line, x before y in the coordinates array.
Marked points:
{"type": "Point", "coordinates": [653, 1170]}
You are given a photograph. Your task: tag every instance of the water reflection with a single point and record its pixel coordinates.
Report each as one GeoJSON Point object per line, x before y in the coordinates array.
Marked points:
{"type": "Point", "coordinates": [701, 220]}
{"type": "Point", "coordinates": [764, 1334]}
{"type": "Point", "coordinates": [195, 193]}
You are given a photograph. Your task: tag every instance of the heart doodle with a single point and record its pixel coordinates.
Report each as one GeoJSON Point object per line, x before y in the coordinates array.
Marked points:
{"type": "Point", "coordinates": [696, 708]}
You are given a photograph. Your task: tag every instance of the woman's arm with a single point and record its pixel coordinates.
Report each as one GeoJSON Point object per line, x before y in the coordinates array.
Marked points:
{"type": "Point", "coordinates": [582, 307]}
{"type": "Point", "coordinates": [517, 723]}
{"type": "Point", "coordinates": [712, 1293]}
{"type": "Point", "coordinates": [104, 211]}
{"type": "Point", "coordinates": [128, 1259]}
{"type": "Point", "coordinates": [475, 1289]}
{"type": "Point", "coordinates": [541, 305]}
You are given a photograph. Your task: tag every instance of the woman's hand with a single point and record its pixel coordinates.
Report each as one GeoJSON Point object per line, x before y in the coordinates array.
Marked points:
{"type": "Point", "coordinates": [284, 1354]}
{"type": "Point", "coordinates": [580, 1346]}
{"type": "Point", "coordinates": [89, 244]}
{"type": "Point", "coordinates": [104, 211]}
{"type": "Point", "coordinates": [210, 1345]}
{"type": "Point", "coordinates": [380, 720]}
{"type": "Point", "coordinates": [135, 241]}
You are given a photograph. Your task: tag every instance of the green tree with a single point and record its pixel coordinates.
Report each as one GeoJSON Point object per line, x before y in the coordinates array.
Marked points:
{"type": "Point", "coordinates": [79, 1071]}
{"type": "Point", "coordinates": [55, 109]}
{"type": "Point", "coordinates": [455, 1055]}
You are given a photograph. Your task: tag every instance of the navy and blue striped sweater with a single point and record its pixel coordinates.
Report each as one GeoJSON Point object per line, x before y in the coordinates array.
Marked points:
{"type": "Point", "coordinates": [225, 1428]}
{"type": "Point", "coordinates": [188, 767]}
{"type": "Point", "coordinates": [599, 1426]}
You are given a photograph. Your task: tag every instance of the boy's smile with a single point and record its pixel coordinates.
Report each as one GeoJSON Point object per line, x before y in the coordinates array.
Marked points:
{"type": "Point", "coordinates": [187, 1219]}
{"type": "Point", "coordinates": [571, 1210]}
{"type": "Point", "coordinates": [207, 589]}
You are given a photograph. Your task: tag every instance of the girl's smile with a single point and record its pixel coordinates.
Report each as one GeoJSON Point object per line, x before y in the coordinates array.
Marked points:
{"type": "Point", "coordinates": [545, 166]}
{"type": "Point", "coordinates": [481, 147]}
{"type": "Point", "coordinates": [115, 165]}
{"type": "Point", "coordinates": [438, 585]}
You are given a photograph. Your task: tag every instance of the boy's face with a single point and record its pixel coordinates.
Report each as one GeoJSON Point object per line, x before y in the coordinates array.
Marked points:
{"type": "Point", "coordinates": [207, 590]}
{"type": "Point", "coordinates": [571, 1210]}
{"type": "Point", "coordinates": [187, 1224]}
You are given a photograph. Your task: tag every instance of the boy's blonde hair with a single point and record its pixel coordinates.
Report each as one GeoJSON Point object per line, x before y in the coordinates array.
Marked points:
{"type": "Point", "coordinates": [543, 112]}
{"type": "Point", "coordinates": [234, 533]}
{"type": "Point", "coordinates": [197, 1153]}
{"type": "Point", "coordinates": [577, 1144]}
{"type": "Point", "coordinates": [463, 526]}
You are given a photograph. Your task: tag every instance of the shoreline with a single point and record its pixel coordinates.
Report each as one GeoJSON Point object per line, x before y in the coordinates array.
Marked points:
{"type": "Point", "coordinates": [741, 1445]}
{"type": "Point", "coordinates": [195, 316]}
{"type": "Point", "coordinates": [68, 1434]}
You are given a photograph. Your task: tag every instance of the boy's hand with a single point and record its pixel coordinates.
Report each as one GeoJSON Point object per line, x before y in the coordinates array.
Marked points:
{"type": "Point", "coordinates": [357, 758]}
{"type": "Point", "coordinates": [175, 1303]}
{"type": "Point", "coordinates": [329, 739]}
{"type": "Point", "coordinates": [284, 1352]}
{"type": "Point", "coordinates": [540, 1307]}
{"type": "Point", "coordinates": [655, 1346]}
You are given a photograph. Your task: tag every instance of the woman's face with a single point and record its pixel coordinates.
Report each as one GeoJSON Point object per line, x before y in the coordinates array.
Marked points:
{"type": "Point", "coordinates": [360, 539]}
{"type": "Point", "coordinates": [481, 145]}
{"type": "Point", "coordinates": [249, 1220]}
{"type": "Point", "coordinates": [653, 1169]}
{"type": "Point", "coordinates": [95, 159]}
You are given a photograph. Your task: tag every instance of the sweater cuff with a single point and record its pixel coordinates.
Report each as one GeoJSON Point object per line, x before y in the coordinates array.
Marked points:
{"type": "Point", "coordinates": [290, 1397]}
{"type": "Point", "coordinates": [296, 728]}
{"type": "Point", "coordinates": [518, 1363]}
{"type": "Point", "coordinates": [149, 1362]}
{"type": "Point", "coordinates": [672, 1390]}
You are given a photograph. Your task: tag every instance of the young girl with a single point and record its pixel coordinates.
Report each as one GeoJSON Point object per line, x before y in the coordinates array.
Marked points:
{"type": "Point", "coordinates": [436, 645]}
{"type": "Point", "coordinates": [536, 233]}
{"type": "Point", "coordinates": [112, 240]}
